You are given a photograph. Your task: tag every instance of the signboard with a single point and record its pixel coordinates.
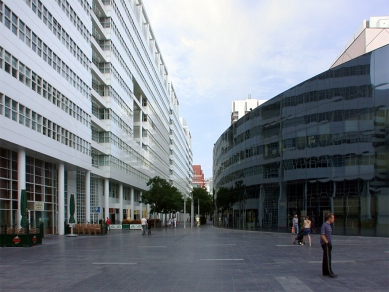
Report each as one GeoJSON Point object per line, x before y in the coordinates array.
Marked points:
{"type": "Point", "coordinates": [135, 226]}
{"type": "Point", "coordinates": [97, 210]}
{"type": "Point", "coordinates": [111, 210]}
{"type": "Point", "coordinates": [115, 226]}
{"type": "Point", "coordinates": [38, 206]}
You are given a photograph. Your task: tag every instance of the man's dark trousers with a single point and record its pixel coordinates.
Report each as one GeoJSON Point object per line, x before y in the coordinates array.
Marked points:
{"type": "Point", "coordinates": [326, 264]}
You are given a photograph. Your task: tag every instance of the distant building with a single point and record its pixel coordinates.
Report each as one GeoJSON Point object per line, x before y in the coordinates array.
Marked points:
{"type": "Point", "coordinates": [371, 35]}
{"type": "Point", "coordinates": [198, 177]}
{"type": "Point", "coordinates": [241, 107]}
{"type": "Point", "coordinates": [209, 185]}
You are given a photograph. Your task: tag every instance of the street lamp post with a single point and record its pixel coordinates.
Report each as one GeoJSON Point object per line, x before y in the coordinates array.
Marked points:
{"type": "Point", "coordinates": [184, 211]}
{"type": "Point", "coordinates": [191, 213]}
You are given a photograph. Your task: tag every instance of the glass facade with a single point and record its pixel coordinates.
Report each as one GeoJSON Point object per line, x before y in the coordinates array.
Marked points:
{"type": "Point", "coordinates": [321, 146]}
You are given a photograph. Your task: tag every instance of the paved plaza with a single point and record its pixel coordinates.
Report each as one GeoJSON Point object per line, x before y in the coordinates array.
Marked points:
{"type": "Point", "coordinates": [199, 259]}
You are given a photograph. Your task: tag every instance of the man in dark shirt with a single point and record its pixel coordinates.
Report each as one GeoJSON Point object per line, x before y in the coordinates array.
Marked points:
{"type": "Point", "coordinates": [325, 241]}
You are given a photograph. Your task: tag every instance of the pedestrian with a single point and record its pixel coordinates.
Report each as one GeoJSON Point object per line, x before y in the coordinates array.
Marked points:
{"type": "Point", "coordinates": [326, 244]}
{"type": "Point", "coordinates": [175, 222]}
{"type": "Point", "coordinates": [307, 230]}
{"type": "Point", "coordinates": [225, 221]}
{"type": "Point", "coordinates": [149, 226]}
{"type": "Point", "coordinates": [108, 222]}
{"type": "Point", "coordinates": [295, 222]}
{"type": "Point", "coordinates": [143, 223]}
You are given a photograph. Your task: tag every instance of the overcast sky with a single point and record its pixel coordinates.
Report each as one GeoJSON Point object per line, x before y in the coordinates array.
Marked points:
{"type": "Point", "coordinates": [217, 51]}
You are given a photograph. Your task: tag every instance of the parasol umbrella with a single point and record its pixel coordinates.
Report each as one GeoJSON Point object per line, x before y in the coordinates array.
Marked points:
{"type": "Point", "coordinates": [23, 209]}
{"type": "Point", "coordinates": [72, 209]}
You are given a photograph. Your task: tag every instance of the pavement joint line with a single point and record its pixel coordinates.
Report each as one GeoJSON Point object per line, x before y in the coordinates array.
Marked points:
{"type": "Point", "coordinates": [161, 246]}
{"type": "Point", "coordinates": [221, 259]}
{"type": "Point", "coordinates": [317, 262]}
{"type": "Point", "coordinates": [114, 263]}
{"type": "Point", "coordinates": [221, 244]}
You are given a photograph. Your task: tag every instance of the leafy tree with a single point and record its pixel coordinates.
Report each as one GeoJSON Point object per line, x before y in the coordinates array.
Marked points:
{"type": "Point", "coordinates": [206, 202]}
{"type": "Point", "coordinates": [227, 196]}
{"type": "Point", "coordinates": [162, 197]}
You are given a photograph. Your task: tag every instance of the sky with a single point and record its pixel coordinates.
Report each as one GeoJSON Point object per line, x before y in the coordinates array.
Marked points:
{"type": "Point", "coordinates": [218, 51]}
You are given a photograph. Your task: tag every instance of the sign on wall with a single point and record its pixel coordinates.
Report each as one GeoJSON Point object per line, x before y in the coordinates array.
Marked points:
{"type": "Point", "coordinates": [39, 206]}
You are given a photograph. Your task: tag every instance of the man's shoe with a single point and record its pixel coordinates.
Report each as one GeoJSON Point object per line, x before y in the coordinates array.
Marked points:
{"type": "Point", "coordinates": [332, 275]}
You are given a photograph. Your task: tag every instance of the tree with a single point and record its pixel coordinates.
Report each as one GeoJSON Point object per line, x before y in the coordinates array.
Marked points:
{"type": "Point", "coordinates": [226, 197]}
{"type": "Point", "coordinates": [162, 197]}
{"type": "Point", "coordinates": [206, 202]}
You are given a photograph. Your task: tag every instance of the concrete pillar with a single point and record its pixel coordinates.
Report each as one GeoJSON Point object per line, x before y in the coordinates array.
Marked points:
{"type": "Point", "coordinates": [141, 206]}
{"type": "Point", "coordinates": [120, 203]}
{"type": "Point", "coordinates": [21, 183]}
{"type": "Point", "coordinates": [365, 202]}
{"type": "Point", "coordinates": [260, 205]}
{"type": "Point", "coordinates": [61, 199]}
{"type": "Point", "coordinates": [282, 207]}
{"type": "Point", "coordinates": [305, 199]}
{"type": "Point", "coordinates": [106, 198]}
{"type": "Point", "coordinates": [132, 204]}
{"type": "Point", "coordinates": [332, 198]}
{"type": "Point", "coordinates": [87, 196]}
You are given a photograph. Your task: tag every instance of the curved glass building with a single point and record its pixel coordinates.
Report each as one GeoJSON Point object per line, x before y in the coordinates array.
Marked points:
{"type": "Point", "coordinates": [321, 146]}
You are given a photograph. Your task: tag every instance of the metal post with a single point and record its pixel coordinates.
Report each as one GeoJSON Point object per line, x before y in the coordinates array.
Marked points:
{"type": "Point", "coordinates": [192, 213]}
{"type": "Point", "coordinates": [198, 207]}
{"type": "Point", "coordinates": [184, 212]}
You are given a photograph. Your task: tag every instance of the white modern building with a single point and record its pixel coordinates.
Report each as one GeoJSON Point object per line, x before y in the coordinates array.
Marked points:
{"type": "Point", "coordinates": [86, 108]}
{"type": "Point", "coordinates": [241, 107]}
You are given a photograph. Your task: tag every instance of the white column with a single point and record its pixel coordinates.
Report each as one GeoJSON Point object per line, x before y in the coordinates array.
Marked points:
{"type": "Point", "coordinates": [21, 183]}
{"type": "Point", "coordinates": [120, 203]}
{"type": "Point", "coordinates": [106, 197]}
{"type": "Point", "coordinates": [132, 204]}
{"type": "Point", "coordinates": [61, 198]}
{"type": "Point", "coordinates": [87, 196]}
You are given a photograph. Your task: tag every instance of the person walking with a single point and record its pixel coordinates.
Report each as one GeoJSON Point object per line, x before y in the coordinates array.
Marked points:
{"type": "Point", "coordinates": [295, 222]}
{"type": "Point", "coordinates": [226, 221]}
{"type": "Point", "coordinates": [143, 222]}
{"type": "Point", "coordinates": [108, 222]}
{"type": "Point", "coordinates": [149, 226]}
{"type": "Point", "coordinates": [325, 241]}
{"type": "Point", "coordinates": [175, 222]}
{"type": "Point", "coordinates": [307, 230]}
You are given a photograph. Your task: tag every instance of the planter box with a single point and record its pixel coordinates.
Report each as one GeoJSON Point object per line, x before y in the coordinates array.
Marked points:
{"type": "Point", "coordinates": [125, 226]}
{"type": "Point", "coordinates": [135, 226]}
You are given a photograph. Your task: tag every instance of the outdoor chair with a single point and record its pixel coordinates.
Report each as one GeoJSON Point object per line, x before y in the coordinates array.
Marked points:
{"type": "Point", "coordinates": [96, 229]}
{"type": "Point", "coordinates": [76, 229]}
{"type": "Point", "coordinates": [84, 228]}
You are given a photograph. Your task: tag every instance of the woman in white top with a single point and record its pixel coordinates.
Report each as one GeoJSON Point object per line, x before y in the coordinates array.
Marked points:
{"type": "Point", "coordinates": [307, 230]}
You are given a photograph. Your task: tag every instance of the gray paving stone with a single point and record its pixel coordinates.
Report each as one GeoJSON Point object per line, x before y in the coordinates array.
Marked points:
{"type": "Point", "coordinates": [202, 259]}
